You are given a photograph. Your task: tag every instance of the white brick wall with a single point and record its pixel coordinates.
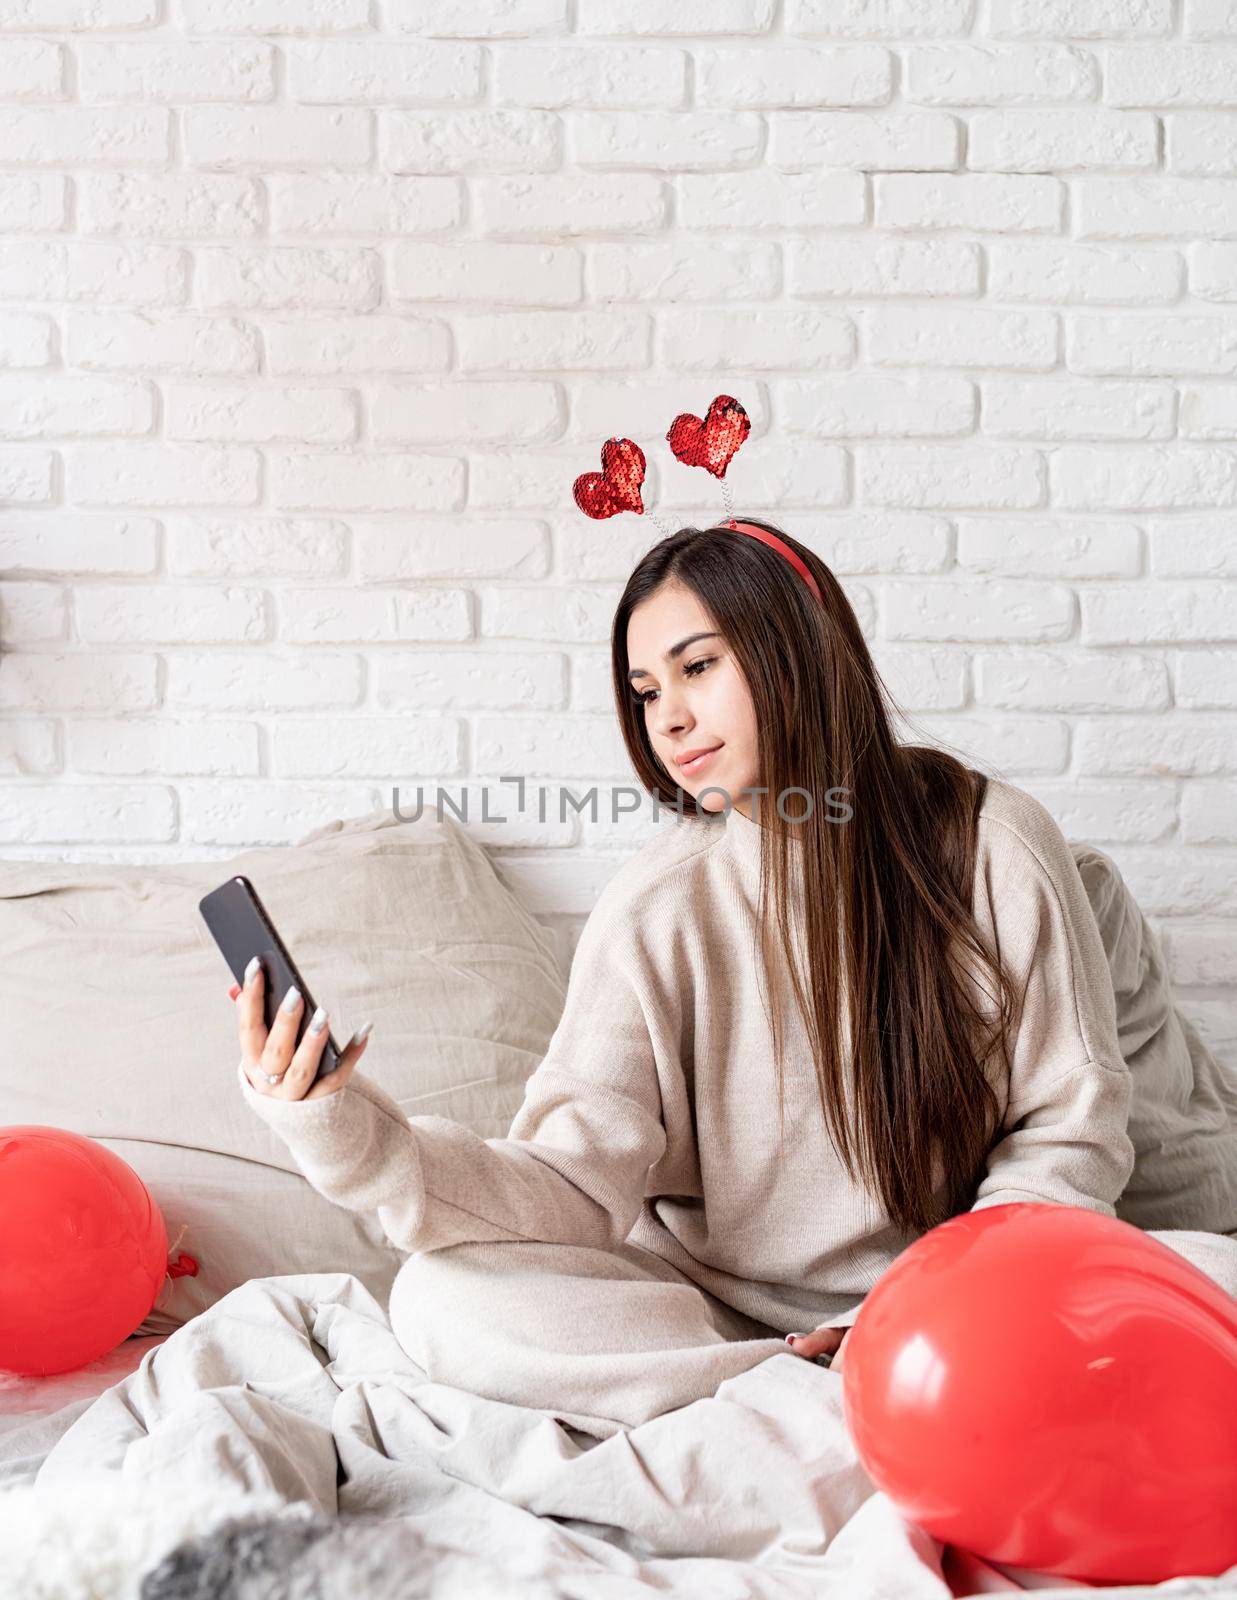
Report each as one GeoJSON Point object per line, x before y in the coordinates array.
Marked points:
{"type": "Point", "coordinates": [312, 310]}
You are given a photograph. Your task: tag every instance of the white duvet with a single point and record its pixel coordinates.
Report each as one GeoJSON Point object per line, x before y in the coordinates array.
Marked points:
{"type": "Point", "coordinates": [294, 1389]}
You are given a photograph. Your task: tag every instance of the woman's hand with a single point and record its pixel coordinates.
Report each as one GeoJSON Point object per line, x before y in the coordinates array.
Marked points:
{"type": "Point", "coordinates": [276, 1053]}
{"type": "Point", "coordinates": [820, 1342]}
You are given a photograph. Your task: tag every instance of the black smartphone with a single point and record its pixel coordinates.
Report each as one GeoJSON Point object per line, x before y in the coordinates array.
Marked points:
{"type": "Point", "coordinates": [242, 929]}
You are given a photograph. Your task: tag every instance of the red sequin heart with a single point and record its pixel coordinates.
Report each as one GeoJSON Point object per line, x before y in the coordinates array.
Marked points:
{"type": "Point", "coordinates": [710, 444]}
{"type": "Point", "coordinates": [617, 486]}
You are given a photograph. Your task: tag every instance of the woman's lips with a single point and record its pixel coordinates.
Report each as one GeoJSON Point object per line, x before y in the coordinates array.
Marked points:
{"type": "Point", "coordinates": [689, 768]}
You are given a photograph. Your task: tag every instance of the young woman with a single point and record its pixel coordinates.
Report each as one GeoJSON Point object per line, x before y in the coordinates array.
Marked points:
{"type": "Point", "coordinates": [803, 1026]}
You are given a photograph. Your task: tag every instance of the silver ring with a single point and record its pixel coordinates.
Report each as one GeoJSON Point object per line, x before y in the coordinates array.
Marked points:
{"type": "Point", "coordinates": [272, 1078]}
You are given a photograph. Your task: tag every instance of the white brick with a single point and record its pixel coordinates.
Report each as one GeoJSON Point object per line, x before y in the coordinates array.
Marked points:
{"type": "Point", "coordinates": [921, 678]}
{"type": "Point", "coordinates": [365, 747]}
{"type": "Point", "coordinates": [161, 475]}
{"type": "Point", "coordinates": [40, 813]}
{"type": "Point", "coordinates": [574, 615]}
{"type": "Point", "coordinates": [1210, 19]}
{"type": "Point", "coordinates": [1180, 743]}
{"type": "Point", "coordinates": [392, 481]}
{"type": "Point", "coordinates": [1203, 142]}
{"type": "Point", "coordinates": [383, 71]}
{"type": "Point", "coordinates": [1151, 345]}
{"type": "Point", "coordinates": [875, 541]}
{"type": "Point", "coordinates": [31, 202]}
{"type": "Point", "coordinates": [387, 552]}
{"type": "Point", "coordinates": [323, 205]}
{"type": "Point", "coordinates": [77, 543]}
{"type": "Point", "coordinates": [467, 413]}
{"type": "Point", "coordinates": [157, 746]}
{"type": "Point", "coordinates": [277, 136]}
{"type": "Point", "coordinates": [335, 347]}
{"type": "Point", "coordinates": [512, 274]}
{"type": "Point", "coordinates": [288, 278]}
{"type": "Point", "coordinates": [654, 17]}
{"type": "Point", "coordinates": [27, 747]}
{"type": "Point", "coordinates": [25, 341]}
{"type": "Point", "coordinates": [175, 69]}
{"type": "Point", "coordinates": [1100, 811]}
{"type": "Point", "coordinates": [79, 682]}
{"type": "Point", "coordinates": [1071, 680]}
{"type": "Point", "coordinates": [32, 613]}
{"type": "Point", "coordinates": [544, 746]}
{"type": "Point", "coordinates": [1018, 746]}
{"type": "Point", "coordinates": [1145, 207]}
{"type": "Point", "coordinates": [1170, 74]}
{"type": "Point", "coordinates": [865, 139]}
{"type": "Point", "coordinates": [261, 680]}
{"type": "Point", "coordinates": [552, 77]}
{"type": "Point", "coordinates": [443, 680]}
{"type": "Point", "coordinates": [997, 74]}
{"type": "Point", "coordinates": [132, 342]}
{"type": "Point", "coordinates": [260, 414]}
{"type": "Point", "coordinates": [1063, 273]}
{"type": "Point", "coordinates": [1206, 679]}
{"type": "Point", "coordinates": [256, 547]}
{"type": "Point", "coordinates": [726, 340]}
{"type": "Point", "coordinates": [882, 267]}
{"type": "Point", "coordinates": [272, 16]}
{"type": "Point", "coordinates": [31, 69]}
{"type": "Point", "coordinates": [266, 812]}
{"type": "Point", "coordinates": [1080, 19]}
{"type": "Point", "coordinates": [980, 202]}
{"type": "Point", "coordinates": [1213, 271]}
{"type": "Point", "coordinates": [488, 140]}
{"type": "Point", "coordinates": [373, 616]}
{"type": "Point", "coordinates": [1209, 413]}
{"type": "Point", "coordinates": [97, 136]}
{"type": "Point", "coordinates": [765, 199]}
{"type": "Point", "coordinates": [164, 613]}
{"type": "Point", "coordinates": [73, 407]}
{"type": "Point", "coordinates": [878, 405]}
{"type": "Point", "coordinates": [1169, 613]}
{"type": "Point", "coordinates": [1059, 141]}
{"type": "Point", "coordinates": [966, 610]}
{"type": "Point", "coordinates": [26, 476]}
{"type": "Point", "coordinates": [567, 204]}
{"type": "Point", "coordinates": [869, 19]}
{"type": "Point", "coordinates": [680, 270]}
{"type": "Point", "coordinates": [992, 476]}
{"type": "Point", "coordinates": [73, 270]}
{"type": "Point", "coordinates": [679, 141]}
{"type": "Point", "coordinates": [1018, 408]}
{"type": "Point", "coordinates": [1151, 476]}
{"type": "Point", "coordinates": [780, 76]}
{"type": "Point", "coordinates": [790, 472]}
{"type": "Point", "coordinates": [552, 341]}
{"type": "Point", "coordinates": [76, 15]}
{"type": "Point", "coordinates": [1206, 953]}
{"type": "Point", "coordinates": [1035, 547]}
{"type": "Point", "coordinates": [514, 18]}
{"type": "Point", "coordinates": [960, 336]}
{"type": "Point", "coordinates": [1193, 547]}
{"type": "Point", "coordinates": [180, 205]}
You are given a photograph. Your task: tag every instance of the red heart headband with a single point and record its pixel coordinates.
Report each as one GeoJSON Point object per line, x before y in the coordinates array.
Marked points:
{"type": "Point", "coordinates": [710, 444]}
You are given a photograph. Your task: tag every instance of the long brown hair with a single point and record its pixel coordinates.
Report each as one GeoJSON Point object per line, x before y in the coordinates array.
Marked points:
{"type": "Point", "coordinates": [900, 872]}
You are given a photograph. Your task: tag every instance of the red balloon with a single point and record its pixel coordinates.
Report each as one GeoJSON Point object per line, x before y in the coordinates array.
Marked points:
{"type": "Point", "coordinates": [1052, 1389]}
{"type": "Point", "coordinates": [83, 1250]}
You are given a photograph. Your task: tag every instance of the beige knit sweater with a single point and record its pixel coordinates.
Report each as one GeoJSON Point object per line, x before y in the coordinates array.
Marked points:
{"type": "Point", "coordinates": [654, 1113]}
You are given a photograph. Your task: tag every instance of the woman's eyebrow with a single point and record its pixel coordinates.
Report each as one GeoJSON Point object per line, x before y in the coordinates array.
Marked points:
{"type": "Point", "coordinates": [674, 652]}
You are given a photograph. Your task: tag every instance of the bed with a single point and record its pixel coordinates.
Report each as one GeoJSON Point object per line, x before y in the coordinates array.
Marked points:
{"type": "Point", "coordinates": [264, 1427]}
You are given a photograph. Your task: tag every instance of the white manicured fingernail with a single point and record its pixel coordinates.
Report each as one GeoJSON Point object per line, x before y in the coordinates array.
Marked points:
{"type": "Point", "coordinates": [253, 968]}
{"type": "Point", "coordinates": [290, 999]}
{"type": "Point", "coordinates": [317, 1021]}
{"type": "Point", "coordinates": [362, 1033]}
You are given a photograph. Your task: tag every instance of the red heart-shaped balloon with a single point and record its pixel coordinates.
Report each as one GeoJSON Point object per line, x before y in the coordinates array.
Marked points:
{"type": "Point", "coordinates": [1054, 1389]}
{"type": "Point", "coordinates": [710, 444]}
{"type": "Point", "coordinates": [617, 486]}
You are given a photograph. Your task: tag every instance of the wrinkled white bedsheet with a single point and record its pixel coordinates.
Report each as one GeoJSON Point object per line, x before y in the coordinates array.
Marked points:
{"type": "Point", "coordinates": [297, 1385]}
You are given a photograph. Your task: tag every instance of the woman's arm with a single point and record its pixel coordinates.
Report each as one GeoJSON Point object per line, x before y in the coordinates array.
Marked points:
{"type": "Point", "coordinates": [572, 1168]}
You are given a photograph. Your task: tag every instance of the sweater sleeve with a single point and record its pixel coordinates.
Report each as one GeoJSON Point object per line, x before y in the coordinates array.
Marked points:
{"type": "Point", "coordinates": [1063, 1137]}
{"type": "Point", "coordinates": [573, 1166]}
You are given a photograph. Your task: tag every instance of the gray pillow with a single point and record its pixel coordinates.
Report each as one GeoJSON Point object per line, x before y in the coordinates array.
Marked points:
{"type": "Point", "coordinates": [118, 1025]}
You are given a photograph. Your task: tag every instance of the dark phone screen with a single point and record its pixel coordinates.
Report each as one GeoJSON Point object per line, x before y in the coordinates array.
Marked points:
{"type": "Point", "coordinates": [242, 929]}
